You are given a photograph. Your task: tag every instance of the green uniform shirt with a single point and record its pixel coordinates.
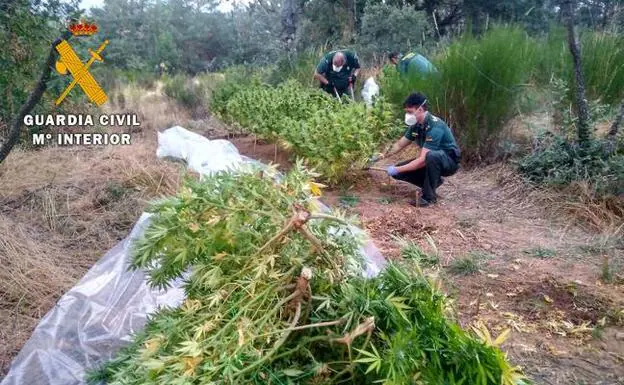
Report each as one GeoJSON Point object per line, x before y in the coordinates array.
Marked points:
{"type": "Point", "coordinates": [415, 63]}
{"type": "Point", "coordinates": [339, 79]}
{"type": "Point", "coordinates": [433, 135]}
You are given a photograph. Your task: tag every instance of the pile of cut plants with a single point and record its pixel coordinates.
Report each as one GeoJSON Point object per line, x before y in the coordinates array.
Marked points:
{"type": "Point", "coordinates": [275, 295]}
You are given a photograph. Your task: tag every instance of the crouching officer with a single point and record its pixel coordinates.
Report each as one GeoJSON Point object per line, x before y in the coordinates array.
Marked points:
{"type": "Point", "coordinates": [337, 71]}
{"type": "Point", "coordinates": [439, 154]}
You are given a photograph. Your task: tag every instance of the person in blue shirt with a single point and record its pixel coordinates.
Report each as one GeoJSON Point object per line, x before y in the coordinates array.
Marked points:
{"type": "Point", "coordinates": [439, 154]}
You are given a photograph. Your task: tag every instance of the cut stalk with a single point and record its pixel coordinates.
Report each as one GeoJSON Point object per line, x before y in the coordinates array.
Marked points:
{"type": "Point", "coordinates": [278, 344]}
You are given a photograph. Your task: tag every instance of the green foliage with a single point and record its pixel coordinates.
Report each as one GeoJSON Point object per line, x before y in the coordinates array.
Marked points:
{"type": "Point", "coordinates": [27, 31]}
{"type": "Point", "coordinates": [541, 252]}
{"type": "Point", "coordinates": [388, 28]}
{"type": "Point", "coordinates": [252, 314]}
{"type": "Point", "coordinates": [333, 137]}
{"type": "Point", "coordinates": [466, 265]}
{"type": "Point", "coordinates": [299, 67]}
{"type": "Point", "coordinates": [475, 89]}
{"type": "Point", "coordinates": [557, 162]}
{"type": "Point", "coordinates": [236, 79]}
{"type": "Point", "coordinates": [184, 36]}
{"type": "Point", "coordinates": [602, 55]}
{"type": "Point", "coordinates": [113, 78]}
{"type": "Point", "coordinates": [349, 200]}
{"type": "Point", "coordinates": [612, 271]}
{"type": "Point", "coordinates": [412, 251]}
{"type": "Point", "coordinates": [564, 113]}
{"type": "Point", "coordinates": [385, 200]}
{"type": "Point", "coordinates": [189, 92]}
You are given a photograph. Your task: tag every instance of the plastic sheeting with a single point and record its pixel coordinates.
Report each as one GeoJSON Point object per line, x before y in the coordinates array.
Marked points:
{"type": "Point", "coordinates": [97, 316]}
{"type": "Point", "coordinates": [201, 155]}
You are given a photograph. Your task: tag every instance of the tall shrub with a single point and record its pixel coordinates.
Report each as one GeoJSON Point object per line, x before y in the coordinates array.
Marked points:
{"type": "Point", "coordinates": [475, 89]}
{"type": "Point", "coordinates": [603, 66]}
{"type": "Point", "coordinates": [602, 56]}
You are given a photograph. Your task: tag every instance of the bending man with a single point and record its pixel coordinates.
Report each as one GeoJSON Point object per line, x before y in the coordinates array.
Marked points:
{"type": "Point", "coordinates": [439, 155]}
{"type": "Point", "coordinates": [337, 71]}
{"type": "Point", "coordinates": [412, 63]}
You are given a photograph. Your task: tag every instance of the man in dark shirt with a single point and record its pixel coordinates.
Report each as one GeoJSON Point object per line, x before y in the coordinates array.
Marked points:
{"type": "Point", "coordinates": [337, 71]}
{"type": "Point", "coordinates": [439, 154]}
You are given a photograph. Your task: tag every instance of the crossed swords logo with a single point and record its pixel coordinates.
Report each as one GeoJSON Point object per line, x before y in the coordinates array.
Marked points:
{"type": "Point", "coordinates": [69, 60]}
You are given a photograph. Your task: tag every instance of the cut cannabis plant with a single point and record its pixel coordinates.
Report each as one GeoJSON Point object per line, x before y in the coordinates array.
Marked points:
{"type": "Point", "coordinates": [275, 296]}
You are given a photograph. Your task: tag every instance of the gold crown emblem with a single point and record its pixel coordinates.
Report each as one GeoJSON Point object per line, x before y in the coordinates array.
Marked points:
{"type": "Point", "coordinates": [83, 29]}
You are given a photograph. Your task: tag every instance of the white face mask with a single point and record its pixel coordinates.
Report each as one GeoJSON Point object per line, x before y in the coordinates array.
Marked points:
{"type": "Point", "coordinates": [336, 69]}
{"type": "Point", "coordinates": [410, 119]}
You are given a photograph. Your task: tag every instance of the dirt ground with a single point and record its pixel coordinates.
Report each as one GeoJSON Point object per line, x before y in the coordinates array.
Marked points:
{"type": "Point", "coordinates": [537, 270]}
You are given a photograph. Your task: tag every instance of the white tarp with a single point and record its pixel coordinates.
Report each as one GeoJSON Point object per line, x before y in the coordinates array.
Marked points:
{"type": "Point", "coordinates": [97, 316]}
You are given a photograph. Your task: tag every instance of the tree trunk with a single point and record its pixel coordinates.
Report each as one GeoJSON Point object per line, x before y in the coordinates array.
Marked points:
{"type": "Point", "coordinates": [348, 32]}
{"type": "Point", "coordinates": [575, 50]}
{"type": "Point", "coordinates": [33, 99]}
{"type": "Point", "coordinates": [616, 123]}
{"type": "Point", "coordinates": [607, 14]}
{"type": "Point", "coordinates": [291, 14]}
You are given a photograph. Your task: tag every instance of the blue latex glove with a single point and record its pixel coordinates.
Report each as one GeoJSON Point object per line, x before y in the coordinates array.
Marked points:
{"type": "Point", "coordinates": [392, 171]}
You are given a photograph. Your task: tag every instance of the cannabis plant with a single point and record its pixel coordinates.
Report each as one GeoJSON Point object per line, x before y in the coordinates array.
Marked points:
{"type": "Point", "coordinates": [275, 295]}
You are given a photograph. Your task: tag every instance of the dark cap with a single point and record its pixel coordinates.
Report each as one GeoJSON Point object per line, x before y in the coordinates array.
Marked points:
{"type": "Point", "coordinates": [415, 99]}
{"type": "Point", "coordinates": [393, 54]}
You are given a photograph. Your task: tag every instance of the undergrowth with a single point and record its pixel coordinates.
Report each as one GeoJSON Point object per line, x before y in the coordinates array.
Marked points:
{"type": "Point", "coordinates": [192, 93]}
{"type": "Point", "coordinates": [558, 162]}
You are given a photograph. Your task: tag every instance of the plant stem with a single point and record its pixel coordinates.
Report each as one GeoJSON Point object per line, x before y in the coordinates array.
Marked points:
{"type": "Point", "coordinates": [275, 238]}
{"type": "Point", "coordinates": [318, 246]}
{"type": "Point", "coordinates": [349, 367]}
{"type": "Point", "coordinates": [308, 326]}
{"type": "Point", "coordinates": [277, 345]}
{"type": "Point", "coordinates": [329, 217]}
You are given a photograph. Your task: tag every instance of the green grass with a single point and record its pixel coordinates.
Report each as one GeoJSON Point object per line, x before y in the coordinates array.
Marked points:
{"type": "Point", "coordinates": [413, 252]}
{"type": "Point", "coordinates": [602, 57]}
{"type": "Point", "coordinates": [300, 68]}
{"type": "Point", "coordinates": [483, 81]}
{"type": "Point", "coordinates": [541, 252]}
{"type": "Point", "coordinates": [349, 200]}
{"type": "Point", "coordinates": [611, 271]}
{"type": "Point", "coordinates": [468, 264]}
{"type": "Point", "coordinates": [603, 65]}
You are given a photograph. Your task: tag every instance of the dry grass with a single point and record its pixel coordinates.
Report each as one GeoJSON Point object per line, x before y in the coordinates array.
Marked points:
{"type": "Point", "coordinates": [155, 110]}
{"type": "Point", "coordinates": [602, 214]}
{"type": "Point", "coordinates": [61, 209]}
{"type": "Point", "coordinates": [34, 272]}
{"type": "Point", "coordinates": [574, 204]}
